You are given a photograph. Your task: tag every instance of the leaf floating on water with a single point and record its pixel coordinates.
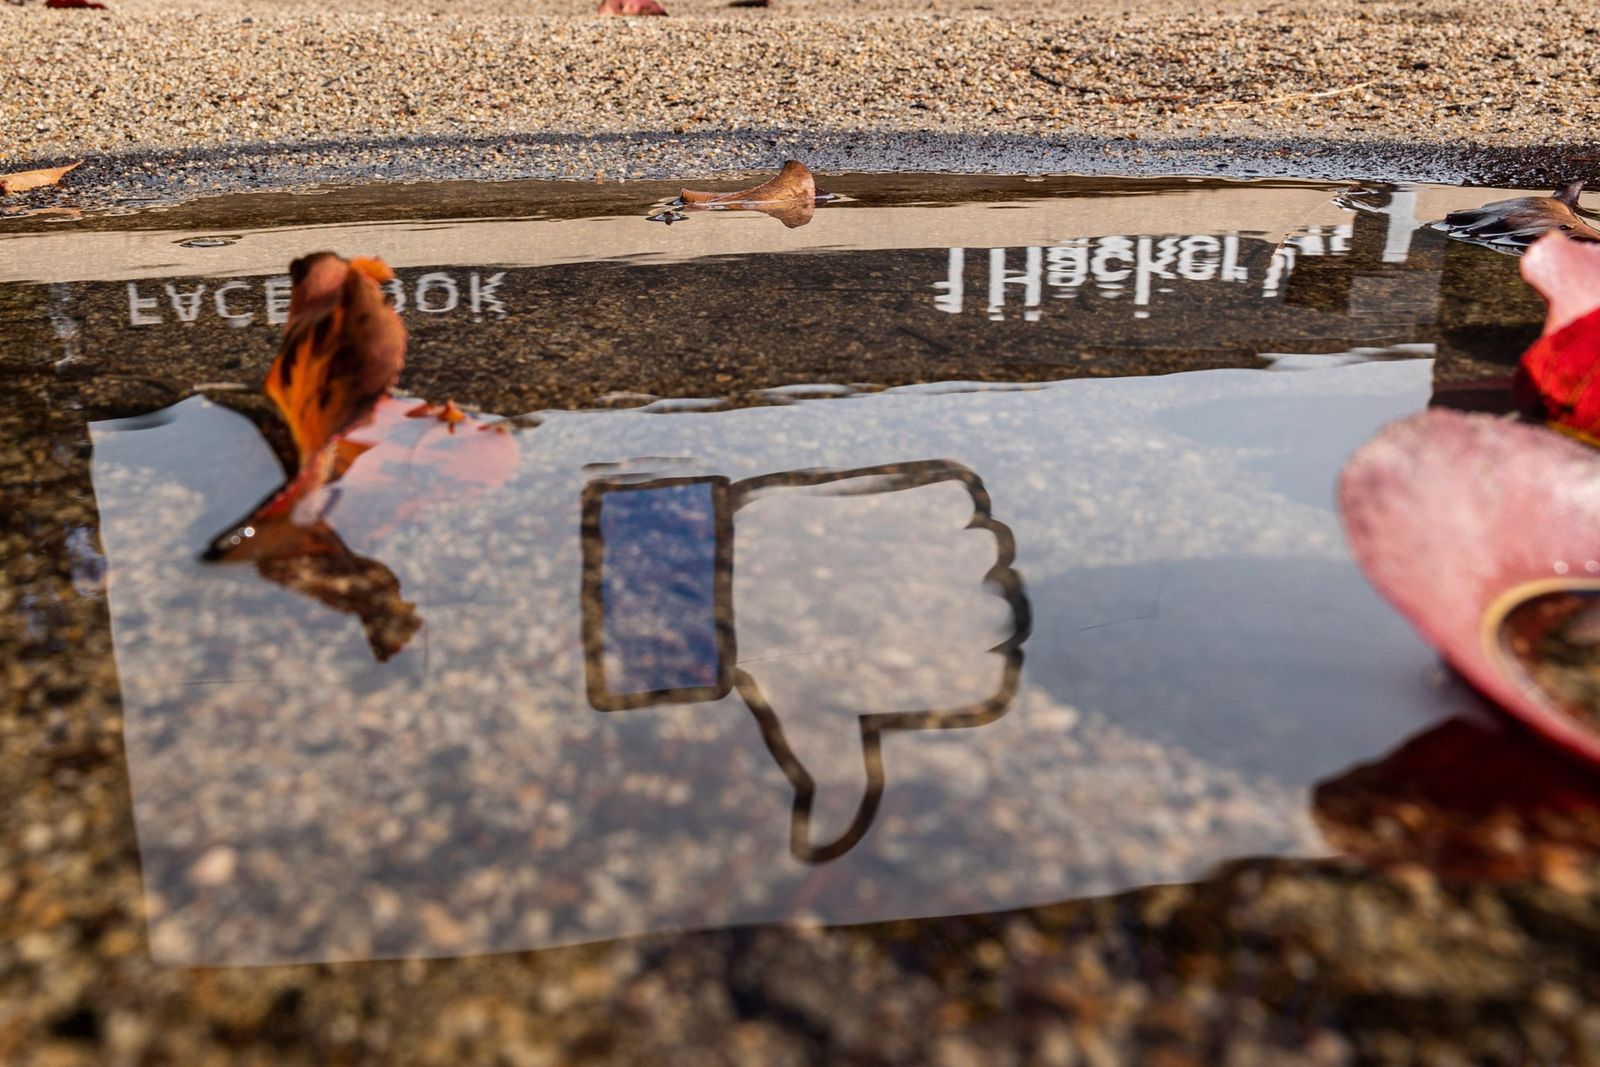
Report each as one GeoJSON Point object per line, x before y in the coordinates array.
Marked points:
{"type": "Point", "coordinates": [793, 182]}
{"type": "Point", "coordinates": [343, 348]}
{"type": "Point", "coordinates": [446, 413]}
{"type": "Point", "coordinates": [1459, 520]}
{"type": "Point", "coordinates": [22, 181]}
{"type": "Point", "coordinates": [790, 197]}
{"type": "Point", "coordinates": [1512, 225]}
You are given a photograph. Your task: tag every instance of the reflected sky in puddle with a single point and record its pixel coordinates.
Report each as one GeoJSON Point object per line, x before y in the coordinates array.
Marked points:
{"type": "Point", "coordinates": [838, 652]}
{"type": "Point", "coordinates": [923, 652]}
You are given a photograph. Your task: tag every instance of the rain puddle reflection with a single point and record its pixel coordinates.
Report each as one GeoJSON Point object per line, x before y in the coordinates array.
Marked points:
{"type": "Point", "coordinates": [918, 653]}
{"type": "Point", "coordinates": [943, 634]}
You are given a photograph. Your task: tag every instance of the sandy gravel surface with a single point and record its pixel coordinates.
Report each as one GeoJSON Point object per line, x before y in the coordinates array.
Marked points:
{"type": "Point", "coordinates": [203, 76]}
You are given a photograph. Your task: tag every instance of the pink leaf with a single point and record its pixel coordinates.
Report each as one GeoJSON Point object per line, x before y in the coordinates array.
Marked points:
{"type": "Point", "coordinates": [1459, 519]}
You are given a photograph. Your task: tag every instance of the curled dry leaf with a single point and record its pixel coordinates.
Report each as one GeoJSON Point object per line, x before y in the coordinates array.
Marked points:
{"type": "Point", "coordinates": [790, 197]}
{"type": "Point", "coordinates": [1558, 379]}
{"type": "Point", "coordinates": [630, 7]}
{"type": "Point", "coordinates": [1471, 525]}
{"type": "Point", "coordinates": [1512, 225]}
{"type": "Point", "coordinates": [22, 181]}
{"type": "Point", "coordinates": [342, 350]}
{"type": "Point", "coordinates": [793, 182]}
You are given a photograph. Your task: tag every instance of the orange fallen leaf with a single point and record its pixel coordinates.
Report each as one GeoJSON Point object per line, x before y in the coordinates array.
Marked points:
{"type": "Point", "coordinates": [446, 413]}
{"type": "Point", "coordinates": [342, 350]}
{"type": "Point", "coordinates": [793, 182]}
{"type": "Point", "coordinates": [22, 181]}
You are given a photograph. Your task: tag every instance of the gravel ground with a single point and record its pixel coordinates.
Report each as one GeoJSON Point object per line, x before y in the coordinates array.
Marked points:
{"type": "Point", "coordinates": [198, 95]}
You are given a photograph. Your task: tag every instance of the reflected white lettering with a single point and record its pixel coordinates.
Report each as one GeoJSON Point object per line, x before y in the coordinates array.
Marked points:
{"type": "Point", "coordinates": [141, 309]}
{"type": "Point", "coordinates": [482, 295]}
{"type": "Point", "coordinates": [431, 282]}
{"type": "Point", "coordinates": [1119, 266]}
{"type": "Point", "coordinates": [435, 293]}
{"type": "Point", "coordinates": [220, 298]}
{"type": "Point", "coordinates": [186, 304]}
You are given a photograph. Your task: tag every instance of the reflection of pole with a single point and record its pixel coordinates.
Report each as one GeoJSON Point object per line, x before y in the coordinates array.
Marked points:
{"type": "Point", "coordinates": [1402, 224]}
{"type": "Point", "coordinates": [954, 285]}
{"type": "Point", "coordinates": [1278, 270]}
{"type": "Point", "coordinates": [1231, 270]}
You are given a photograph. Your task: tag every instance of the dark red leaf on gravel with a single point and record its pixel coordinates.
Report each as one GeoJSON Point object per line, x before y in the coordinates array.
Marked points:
{"type": "Point", "coordinates": [75, 3]}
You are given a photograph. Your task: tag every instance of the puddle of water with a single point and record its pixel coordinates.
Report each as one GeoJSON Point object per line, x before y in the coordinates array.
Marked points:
{"type": "Point", "coordinates": [859, 613]}
{"type": "Point", "coordinates": [919, 653]}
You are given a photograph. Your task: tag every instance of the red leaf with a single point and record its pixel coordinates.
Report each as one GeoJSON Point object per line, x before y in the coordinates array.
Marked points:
{"type": "Point", "coordinates": [75, 3]}
{"type": "Point", "coordinates": [1558, 379]}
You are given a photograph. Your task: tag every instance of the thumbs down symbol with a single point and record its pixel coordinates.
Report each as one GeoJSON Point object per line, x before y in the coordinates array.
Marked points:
{"type": "Point", "coordinates": [839, 605]}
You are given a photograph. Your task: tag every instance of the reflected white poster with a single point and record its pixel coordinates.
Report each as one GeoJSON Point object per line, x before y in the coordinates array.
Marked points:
{"type": "Point", "coordinates": [921, 652]}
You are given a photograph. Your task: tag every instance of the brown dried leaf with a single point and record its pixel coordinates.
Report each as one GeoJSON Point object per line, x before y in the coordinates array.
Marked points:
{"type": "Point", "coordinates": [1512, 225]}
{"type": "Point", "coordinates": [793, 182]}
{"type": "Point", "coordinates": [22, 181]}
